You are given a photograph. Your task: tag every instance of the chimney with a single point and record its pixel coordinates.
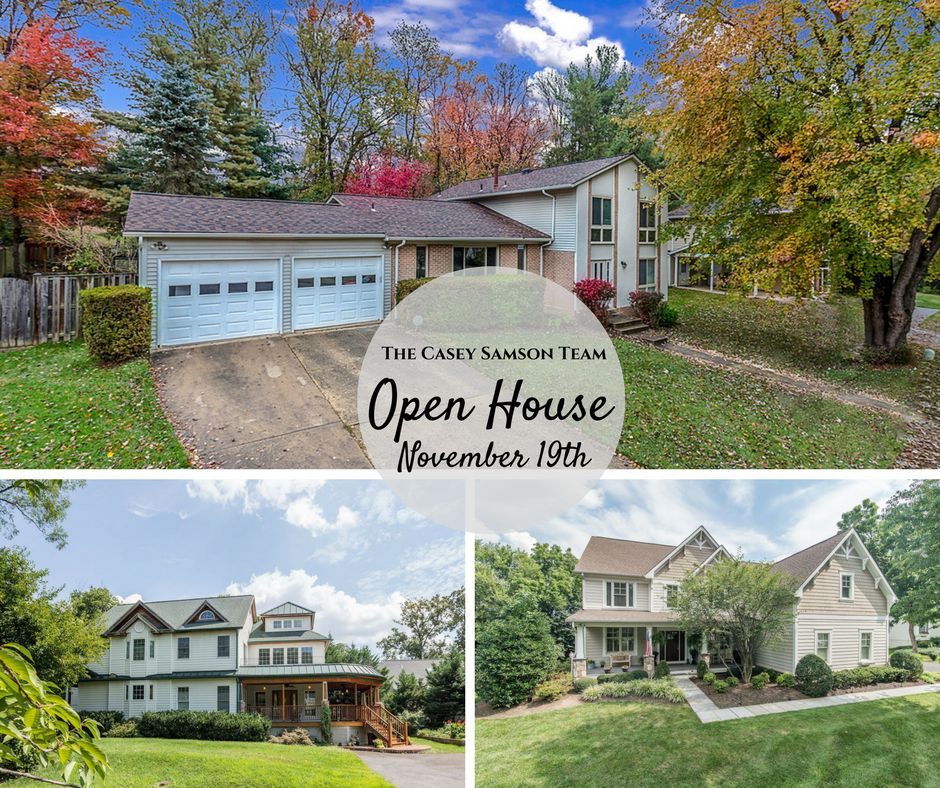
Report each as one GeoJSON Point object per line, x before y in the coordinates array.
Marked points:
{"type": "Point", "coordinates": [496, 176]}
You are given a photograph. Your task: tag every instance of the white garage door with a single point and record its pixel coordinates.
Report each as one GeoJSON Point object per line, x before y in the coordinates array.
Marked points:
{"type": "Point", "coordinates": [221, 299]}
{"type": "Point", "coordinates": [336, 291]}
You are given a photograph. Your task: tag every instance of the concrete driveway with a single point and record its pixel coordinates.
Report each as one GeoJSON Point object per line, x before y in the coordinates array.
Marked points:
{"type": "Point", "coordinates": [423, 770]}
{"type": "Point", "coordinates": [254, 404]}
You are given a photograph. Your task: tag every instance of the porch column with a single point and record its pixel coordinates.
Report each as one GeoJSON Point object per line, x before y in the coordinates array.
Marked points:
{"type": "Point", "coordinates": [579, 641]}
{"type": "Point", "coordinates": [283, 703]}
{"type": "Point", "coordinates": [711, 279]}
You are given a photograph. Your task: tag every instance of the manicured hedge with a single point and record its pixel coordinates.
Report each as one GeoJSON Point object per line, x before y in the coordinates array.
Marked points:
{"type": "Point", "coordinates": [662, 669]}
{"type": "Point", "coordinates": [862, 677]}
{"type": "Point", "coordinates": [813, 676]}
{"type": "Point", "coordinates": [203, 725]}
{"type": "Point", "coordinates": [408, 286]}
{"type": "Point", "coordinates": [906, 660]}
{"type": "Point", "coordinates": [116, 321]}
{"type": "Point", "coordinates": [106, 719]}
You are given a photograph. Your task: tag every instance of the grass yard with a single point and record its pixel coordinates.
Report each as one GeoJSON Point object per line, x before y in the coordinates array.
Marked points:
{"type": "Point", "coordinates": [928, 300]}
{"type": "Point", "coordinates": [864, 745]}
{"type": "Point", "coordinates": [59, 410]}
{"type": "Point", "coordinates": [145, 763]}
{"type": "Point", "coordinates": [813, 340]}
{"type": "Point", "coordinates": [437, 746]}
{"type": "Point", "coordinates": [680, 414]}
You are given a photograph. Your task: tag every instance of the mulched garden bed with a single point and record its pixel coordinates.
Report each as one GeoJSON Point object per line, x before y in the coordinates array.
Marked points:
{"type": "Point", "coordinates": [743, 695]}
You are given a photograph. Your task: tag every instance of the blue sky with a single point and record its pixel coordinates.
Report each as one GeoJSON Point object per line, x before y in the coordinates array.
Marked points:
{"type": "Point", "coordinates": [534, 34]}
{"type": "Point", "coordinates": [349, 550]}
{"type": "Point", "coordinates": [768, 518]}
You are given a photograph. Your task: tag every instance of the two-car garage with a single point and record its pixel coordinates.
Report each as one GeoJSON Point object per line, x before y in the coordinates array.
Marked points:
{"type": "Point", "coordinates": [229, 297]}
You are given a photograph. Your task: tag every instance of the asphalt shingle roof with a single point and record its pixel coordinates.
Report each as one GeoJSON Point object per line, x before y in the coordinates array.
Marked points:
{"type": "Point", "coordinates": [604, 555]}
{"type": "Point", "coordinates": [176, 612]}
{"type": "Point", "coordinates": [802, 564]}
{"type": "Point", "coordinates": [564, 175]}
{"type": "Point", "coordinates": [346, 214]}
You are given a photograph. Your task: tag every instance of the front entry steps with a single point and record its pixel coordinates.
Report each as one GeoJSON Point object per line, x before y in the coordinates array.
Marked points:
{"type": "Point", "coordinates": [623, 322]}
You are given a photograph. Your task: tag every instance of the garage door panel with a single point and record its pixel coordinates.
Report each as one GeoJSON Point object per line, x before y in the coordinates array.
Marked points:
{"type": "Point", "coordinates": [336, 291]}
{"type": "Point", "coordinates": [223, 300]}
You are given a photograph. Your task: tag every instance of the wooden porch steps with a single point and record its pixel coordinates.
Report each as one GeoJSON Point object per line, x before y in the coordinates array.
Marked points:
{"type": "Point", "coordinates": [625, 323]}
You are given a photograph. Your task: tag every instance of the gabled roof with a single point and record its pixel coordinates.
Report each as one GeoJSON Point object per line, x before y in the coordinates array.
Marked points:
{"type": "Point", "coordinates": [607, 556]}
{"type": "Point", "coordinates": [288, 609]}
{"type": "Point", "coordinates": [344, 215]}
{"type": "Point", "coordinates": [174, 614]}
{"type": "Point", "coordinates": [528, 180]}
{"type": "Point", "coordinates": [804, 564]}
{"type": "Point", "coordinates": [699, 533]}
{"type": "Point", "coordinates": [293, 635]}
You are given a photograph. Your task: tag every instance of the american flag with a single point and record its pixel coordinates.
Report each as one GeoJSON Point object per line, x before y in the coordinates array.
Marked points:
{"type": "Point", "coordinates": [649, 645]}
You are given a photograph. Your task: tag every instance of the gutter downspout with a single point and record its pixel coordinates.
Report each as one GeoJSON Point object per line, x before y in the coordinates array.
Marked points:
{"type": "Point", "coordinates": [551, 240]}
{"type": "Point", "coordinates": [403, 242]}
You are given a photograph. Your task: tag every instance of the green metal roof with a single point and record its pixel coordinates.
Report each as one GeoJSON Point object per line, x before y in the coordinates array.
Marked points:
{"type": "Point", "coordinates": [289, 609]}
{"type": "Point", "coordinates": [258, 634]}
{"type": "Point", "coordinates": [325, 669]}
{"type": "Point", "coordinates": [176, 612]}
{"type": "Point", "coordinates": [183, 674]}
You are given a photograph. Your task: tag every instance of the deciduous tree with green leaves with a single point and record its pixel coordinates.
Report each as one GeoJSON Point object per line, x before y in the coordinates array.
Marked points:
{"type": "Point", "coordinates": [35, 719]}
{"type": "Point", "coordinates": [426, 624]}
{"type": "Point", "coordinates": [43, 503]}
{"type": "Point", "coordinates": [745, 605]}
{"type": "Point", "coordinates": [806, 134]}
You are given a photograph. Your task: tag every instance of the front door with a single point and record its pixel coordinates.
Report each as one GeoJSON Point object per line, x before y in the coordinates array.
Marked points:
{"type": "Point", "coordinates": [675, 646]}
{"type": "Point", "coordinates": [288, 706]}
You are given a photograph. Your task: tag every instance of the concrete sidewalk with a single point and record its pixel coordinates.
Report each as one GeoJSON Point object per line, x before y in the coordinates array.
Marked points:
{"type": "Point", "coordinates": [709, 712]}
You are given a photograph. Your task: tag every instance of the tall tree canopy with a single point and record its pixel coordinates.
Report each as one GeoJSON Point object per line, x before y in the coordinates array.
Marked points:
{"type": "Point", "coordinates": [904, 539]}
{"type": "Point", "coordinates": [42, 503]}
{"type": "Point", "coordinates": [803, 134]}
{"type": "Point", "coordinates": [351, 654]}
{"type": "Point", "coordinates": [426, 623]}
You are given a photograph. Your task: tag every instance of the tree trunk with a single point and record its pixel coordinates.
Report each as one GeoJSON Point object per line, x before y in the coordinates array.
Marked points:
{"type": "Point", "coordinates": [19, 240]}
{"type": "Point", "coordinates": [910, 629]}
{"type": "Point", "coordinates": [888, 312]}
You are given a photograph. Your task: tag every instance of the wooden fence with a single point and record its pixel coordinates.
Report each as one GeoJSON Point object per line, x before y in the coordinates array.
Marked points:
{"type": "Point", "coordinates": [45, 308]}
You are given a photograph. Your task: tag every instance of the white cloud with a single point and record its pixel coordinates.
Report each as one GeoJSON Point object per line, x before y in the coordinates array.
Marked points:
{"type": "Point", "coordinates": [129, 599]}
{"type": "Point", "coordinates": [520, 540]}
{"type": "Point", "coordinates": [343, 616]}
{"type": "Point", "coordinates": [559, 38]}
{"type": "Point", "coordinates": [741, 492]}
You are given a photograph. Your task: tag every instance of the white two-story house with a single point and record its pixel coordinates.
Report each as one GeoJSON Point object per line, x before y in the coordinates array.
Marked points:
{"type": "Point", "coordinates": [223, 268]}
{"type": "Point", "coordinates": [218, 654]}
{"type": "Point", "coordinates": [840, 607]}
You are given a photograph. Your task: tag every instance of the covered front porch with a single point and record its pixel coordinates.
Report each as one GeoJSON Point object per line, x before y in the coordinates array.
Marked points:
{"type": "Point", "coordinates": [301, 702]}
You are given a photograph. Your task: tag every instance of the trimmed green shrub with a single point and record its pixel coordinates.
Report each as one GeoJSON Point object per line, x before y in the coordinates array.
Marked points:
{"type": "Point", "coordinates": [906, 660]}
{"type": "Point", "coordinates": [116, 321]}
{"type": "Point", "coordinates": [105, 719]}
{"type": "Point", "coordinates": [731, 681]}
{"type": "Point", "coordinates": [582, 684]}
{"type": "Point", "coordinates": [709, 678]}
{"type": "Point", "coordinates": [662, 670]}
{"type": "Point", "coordinates": [785, 680]}
{"type": "Point", "coordinates": [554, 688]}
{"type": "Point", "coordinates": [701, 669]}
{"type": "Point", "coordinates": [635, 675]}
{"type": "Point", "coordinates": [875, 674]}
{"type": "Point", "coordinates": [326, 725]}
{"type": "Point", "coordinates": [771, 674]}
{"type": "Point", "coordinates": [720, 686]}
{"type": "Point", "coordinates": [933, 652]}
{"type": "Point", "coordinates": [204, 725]}
{"type": "Point", "coordinates": [759, 681]}
{"type": "Point", "coordinates": [813, 676]}
{"type": "Point", "coordinates": [123, 730]}
{"type": "Point", "coordinates": [408, 286]}
{"type": "Point", "coordinates": [603, 678]}
{"type": "Point", "coordinates": [668, 315]}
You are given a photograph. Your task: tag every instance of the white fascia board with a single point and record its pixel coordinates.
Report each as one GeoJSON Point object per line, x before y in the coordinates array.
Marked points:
{"type": "Point", "coordinates": [679, 547]}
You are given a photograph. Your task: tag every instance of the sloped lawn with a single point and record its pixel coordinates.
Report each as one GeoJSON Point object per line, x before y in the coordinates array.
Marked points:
{"type": "Point", "coordinates": [813, 339]}
{"type": "Point", "coordinates": [865, 745]}
{"type": "Point", "coordinates": [145, 763]}
{"type": "Point", "coordinates": [680, 414]}
{"type": "Point", "coordinates": [60, 410]}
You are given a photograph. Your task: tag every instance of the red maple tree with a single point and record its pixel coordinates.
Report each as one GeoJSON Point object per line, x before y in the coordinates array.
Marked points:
{"type": "Point", "coordinates": [387, 175]}
{"type": "Point", "coordinates": [49, 75]}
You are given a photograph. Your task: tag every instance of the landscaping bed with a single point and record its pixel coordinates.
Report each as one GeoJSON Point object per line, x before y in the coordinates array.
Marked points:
{"type": "Point", "coordinates": [744, 695]}
{"type": "Point", "coordinates": [59, 409]}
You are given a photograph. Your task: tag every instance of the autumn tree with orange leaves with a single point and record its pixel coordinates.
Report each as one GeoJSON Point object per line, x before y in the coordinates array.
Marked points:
{"type": "Point", "coordinates": [41, 144]}
{"type": "Point", "coordinates": [806, 133]}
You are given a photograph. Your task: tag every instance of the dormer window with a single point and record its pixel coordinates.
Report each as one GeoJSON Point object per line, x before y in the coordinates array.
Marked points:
{"type": "Point", "coordinates": [619, 594]}
{"type": "Point", "coordinates": [207, 615]}
{"type": "Point", "coordinates": [278, 624]}
{"type": "Point", "coordinates": [847, 586]}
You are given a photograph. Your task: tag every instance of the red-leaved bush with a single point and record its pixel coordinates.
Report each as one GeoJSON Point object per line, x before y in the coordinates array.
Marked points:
{"type": "Point", "coordinates": [596, 295]}
{"type": "Point", "coordinates": [647, 306]}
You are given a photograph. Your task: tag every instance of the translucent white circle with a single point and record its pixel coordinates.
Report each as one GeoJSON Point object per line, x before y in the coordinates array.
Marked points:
{"type": "Point", "coordinates": [491, 400]}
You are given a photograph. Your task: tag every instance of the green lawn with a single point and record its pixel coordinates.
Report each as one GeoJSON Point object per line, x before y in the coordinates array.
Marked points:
{"type": "Point", "coordinates": [145, 763]}
{"type": "Point", "coordinates": [439, 746]}
{"type": "Point", "coordinates": [680, 414]}
{"type": "Point", "coordinates": [813, 339]}
{"type": "Point", "coordinates": [928, 300]}
{"type": "Point", "coordinates": [59, 410]}
{"type": "Point", "coordinates": [866, 745]}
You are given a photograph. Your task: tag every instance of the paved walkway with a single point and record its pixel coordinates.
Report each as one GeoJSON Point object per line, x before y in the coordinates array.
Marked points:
{"type": "Point", "coordinates": [709, 712]}
{"type": "Point", "coordinates": [427, 770]}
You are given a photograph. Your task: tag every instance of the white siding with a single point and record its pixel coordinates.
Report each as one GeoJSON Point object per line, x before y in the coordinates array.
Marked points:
{"type": "Point", "coordinates": [91, 696]}
{"type": "Point", "coordinates": [594, 594]}
{"type": "Point", "coordinates": [780, 657]}
{"type": "Point", "coordinates": [844, 638]}
{"type": "Point", "coordinates": [566, 221]}
{"type": "Point", "coordinates": [203, 693]}
{"type": "Point", "coordinates": [901, 636]}
{"type": "Point", "coordinates": [535, 210]}
{"type": "Point", "coordinates": [203, 651]}
{"type": "Point", "coordinates": [318, 646]}
{"type": "Point", "coordinates": [594, 642]}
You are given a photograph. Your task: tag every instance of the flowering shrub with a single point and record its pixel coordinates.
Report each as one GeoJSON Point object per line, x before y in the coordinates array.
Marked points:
{"type": "Point", "coordinates": [596, 295]}
{"type": "Point", "coordinates": [456, 730]}
{"type": "Point", "coordinates": [647, 306]}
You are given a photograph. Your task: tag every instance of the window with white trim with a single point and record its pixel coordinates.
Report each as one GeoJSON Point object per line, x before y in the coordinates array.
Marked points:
{"type": "Point", "coordinates": [278, 656]}
{"type": "Point", "coordinates": [182, 648]}
{"type": "Point", "coordinates": [602, 230]}
{"type": "Point", "coordinates": [619, 594]}
{"type": "Point", "coordinates": [306, 655]}
{"type": "Point", "coordinates": [846, 586]}
{"type": "Point", "coordinates": [139, 644]}
{"type": "Point", "coordinates": [669, 594]}
{"type": "Point", "coordinates": [182, 698]}
{"type": "Point", "coordinates": [292, 656]}
{"type": "Point", "coordinates": [646, 273]}
{"type": "Point", "coordinates": [222, 646]}
{"type": "Point", "coordinates": [127, 650]}
{"type": "Point", "coordinates": [619, 639]}
{"type": "Point", "coordinates": [138, 692]}
{"type": "Point", "coordinates": [822, 645]}
{"type": "Point", "coordinates": [864, 645]}
{"type": "Point", "coordinates": [264, 657]}
{"type": "Point", "coordinates": [152, 647]}
{"type": "Point", "coordinates": [206, 615]}
{"type": "Point", "coordinates": [278, 624]}
{"type": "Point", "coordinates": [222, 698]}
{"type": "Point", "coordinates": [647, 223]}
{"type": "Point", "coordinates": [923, 630]}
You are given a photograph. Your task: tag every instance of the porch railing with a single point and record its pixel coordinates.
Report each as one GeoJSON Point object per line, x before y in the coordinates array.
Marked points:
{"type": "Point", "coordinates": [311, 712]}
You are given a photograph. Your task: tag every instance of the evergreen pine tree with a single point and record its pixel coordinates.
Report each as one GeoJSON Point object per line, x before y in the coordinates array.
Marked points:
{"type": "Point", "coordinates": [445, 698]}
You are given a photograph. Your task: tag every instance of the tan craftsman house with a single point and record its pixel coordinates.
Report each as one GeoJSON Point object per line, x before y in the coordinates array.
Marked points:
{"type": "Point", "coordinates": [841, 605]}
{"type": "Point", "coordinates": [223, 268]}
{"type": "Point", "coordinates": [218, 654]}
